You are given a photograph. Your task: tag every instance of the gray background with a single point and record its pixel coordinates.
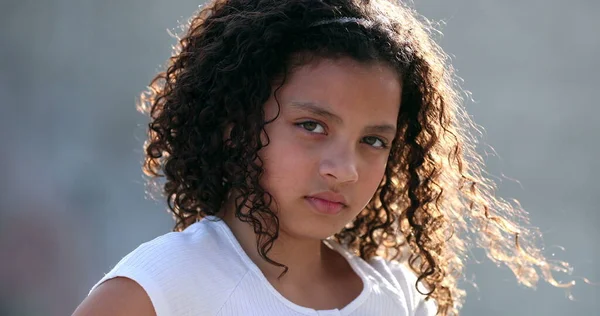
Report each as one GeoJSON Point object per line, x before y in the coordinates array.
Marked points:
{"type": "Point", "coordinates": [72, 197]}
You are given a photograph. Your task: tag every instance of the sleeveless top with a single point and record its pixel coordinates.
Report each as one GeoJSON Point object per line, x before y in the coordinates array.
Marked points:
{"type": "Point", "coordinates": [203, 270]}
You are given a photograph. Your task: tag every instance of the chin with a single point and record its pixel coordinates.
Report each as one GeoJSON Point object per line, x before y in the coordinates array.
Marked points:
{"type": "Point", "coordinates": [312, 235]}
{"type": "Point", "coordinates": [311, 226]}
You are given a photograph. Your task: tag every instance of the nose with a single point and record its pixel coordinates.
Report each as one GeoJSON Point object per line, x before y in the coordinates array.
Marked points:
{"type": "Point", "coordinates": [339, 165]}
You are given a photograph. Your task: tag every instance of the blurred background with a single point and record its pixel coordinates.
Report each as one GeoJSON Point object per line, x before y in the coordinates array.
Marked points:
{"type": "Point", "coordinates": [72, 201]}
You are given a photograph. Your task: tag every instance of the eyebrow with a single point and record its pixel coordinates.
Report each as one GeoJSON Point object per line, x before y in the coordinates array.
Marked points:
{"type": "Point", "coordinates": [319, 111]}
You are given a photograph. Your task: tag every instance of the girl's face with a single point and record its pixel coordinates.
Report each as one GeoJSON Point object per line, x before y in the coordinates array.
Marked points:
{"type": "Point", "coordinates": [330, 143]}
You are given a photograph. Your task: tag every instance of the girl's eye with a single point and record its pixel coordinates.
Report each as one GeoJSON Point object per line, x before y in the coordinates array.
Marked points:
{"type": "Point", "coordinates": [312, 126]}
{"type": "Point", "coordinates": [375, 142]}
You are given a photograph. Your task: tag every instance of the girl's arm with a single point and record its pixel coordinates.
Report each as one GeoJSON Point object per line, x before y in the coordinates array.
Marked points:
{"type": "Point", "coordinates": [117, 296]}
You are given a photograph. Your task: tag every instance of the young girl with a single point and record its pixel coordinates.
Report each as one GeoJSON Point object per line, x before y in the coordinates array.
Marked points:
{"type": "Point", "coordinates": [318, 162]}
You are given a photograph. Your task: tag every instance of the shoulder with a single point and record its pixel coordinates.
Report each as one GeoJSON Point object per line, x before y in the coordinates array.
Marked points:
{"type": "Point", "coordinates": [394, 276]}
{"type": "Point", "coordinates": [401, 277]}
{"type": "Point", "coordinates": [179, 267]}
{"type": "Point", "coordinates": [118, 296]}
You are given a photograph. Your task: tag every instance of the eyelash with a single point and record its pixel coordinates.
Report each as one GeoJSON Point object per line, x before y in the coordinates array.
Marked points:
{"type": "Point", "coordinates": [384, 144]}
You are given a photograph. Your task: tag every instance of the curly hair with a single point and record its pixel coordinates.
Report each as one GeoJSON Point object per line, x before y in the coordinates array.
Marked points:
{"type": "Point", "coordinates": [434, 200]}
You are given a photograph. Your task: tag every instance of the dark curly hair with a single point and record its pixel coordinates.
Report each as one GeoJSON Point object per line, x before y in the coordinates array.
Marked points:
{"type": "Point", "coordinates": [207, 116]}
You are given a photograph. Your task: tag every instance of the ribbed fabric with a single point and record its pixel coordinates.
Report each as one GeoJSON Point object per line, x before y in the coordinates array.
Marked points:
{"type": "Point", "coordinates": [203, 271]}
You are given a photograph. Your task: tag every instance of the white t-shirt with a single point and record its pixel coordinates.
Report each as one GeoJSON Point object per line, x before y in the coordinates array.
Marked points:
{"type": "Point", "coordinates": [203, 271]}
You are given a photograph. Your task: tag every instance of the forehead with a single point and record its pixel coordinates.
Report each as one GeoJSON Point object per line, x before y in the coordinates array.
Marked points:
{"type": "Point", "coordinates": [350, 89]}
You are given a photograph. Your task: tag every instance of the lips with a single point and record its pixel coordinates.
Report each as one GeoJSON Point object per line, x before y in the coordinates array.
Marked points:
{"type": "Point", "coordinates": [330, 196]}
{"type": "Point", "coordinates": [327, 202]}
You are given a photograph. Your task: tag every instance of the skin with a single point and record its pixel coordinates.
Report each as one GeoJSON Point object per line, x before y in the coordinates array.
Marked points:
{"type": "Point", "coordinates": [118, 297]}
{"type": "Point", "coordinates": [308, 153]}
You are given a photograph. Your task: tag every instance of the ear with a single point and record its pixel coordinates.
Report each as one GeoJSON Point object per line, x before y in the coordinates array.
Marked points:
{"type": "Point", "coordinates": [226, 147]}
{"type": "Point", "coordinates": [227, 132]}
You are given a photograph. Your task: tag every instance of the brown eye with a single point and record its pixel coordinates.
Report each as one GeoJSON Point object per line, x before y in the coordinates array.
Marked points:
{"type": "Point", "coordinates": [375, 142]}
{"type": "Point", "coordinates": [312, 126]}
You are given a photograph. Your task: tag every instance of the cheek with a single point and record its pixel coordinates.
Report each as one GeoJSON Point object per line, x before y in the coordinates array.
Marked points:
{"type": "Point", "coordinates": [286, 162]}
{"type": "Point", "coordinates": [369, 180]}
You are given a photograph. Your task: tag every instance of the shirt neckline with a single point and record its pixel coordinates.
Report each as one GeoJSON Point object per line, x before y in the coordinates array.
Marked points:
{"type": "Point", "coordinates": [348, 256]}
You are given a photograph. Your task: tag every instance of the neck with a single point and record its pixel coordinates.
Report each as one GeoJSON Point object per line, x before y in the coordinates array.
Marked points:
{"type": "Point", "coordinates": [307, 259]}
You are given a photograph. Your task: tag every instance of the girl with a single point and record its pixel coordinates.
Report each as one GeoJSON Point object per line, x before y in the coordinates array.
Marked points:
{"type": "Point", "coordinates": [317, 162]}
